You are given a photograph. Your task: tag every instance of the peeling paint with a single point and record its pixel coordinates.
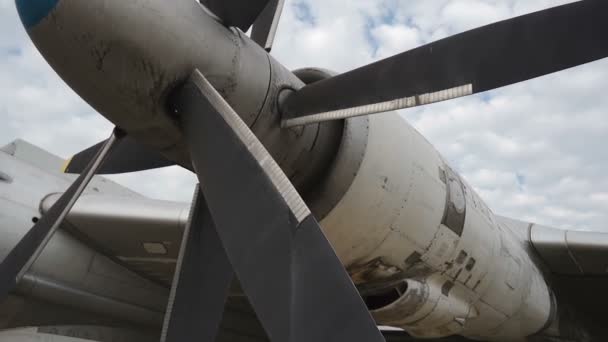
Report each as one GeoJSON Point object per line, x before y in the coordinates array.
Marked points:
{"type": "Point", "coordinates": [446, 288]}
{"type": "Point", "coordinates": [462, 256]}
{"type": "Point", "coordinates": [373, 271]}
{"type": "Point", "coordinates": [414, 258]}
{"type": "Point", "coordinates": [470, 264]}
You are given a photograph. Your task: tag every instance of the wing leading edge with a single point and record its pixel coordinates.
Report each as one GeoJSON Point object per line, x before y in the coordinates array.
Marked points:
{"type": "Point", "coordinates": [575, 264]}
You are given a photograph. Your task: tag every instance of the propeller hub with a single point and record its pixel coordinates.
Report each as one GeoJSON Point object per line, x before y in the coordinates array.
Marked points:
{"type": "Point", "coordinates": [125, 57]}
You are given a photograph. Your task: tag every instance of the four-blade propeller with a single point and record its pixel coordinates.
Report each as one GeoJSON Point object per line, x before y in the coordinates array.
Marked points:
{"type": "Point", "coordinates": [248, 220]}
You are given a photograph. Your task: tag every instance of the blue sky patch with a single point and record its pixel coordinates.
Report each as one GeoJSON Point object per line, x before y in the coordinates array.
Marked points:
{"type": "Point", "coordinates": [12, 51]}
{"type": "Point", "coordinates": [521, 180]}
{"type": "Point", "coordinates": [374, 44]}
{"type": "Point", "coordinates": [303, 12]}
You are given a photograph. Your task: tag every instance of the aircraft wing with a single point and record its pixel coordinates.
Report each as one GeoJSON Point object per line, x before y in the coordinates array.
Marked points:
{"type": "Point", "coordinates": [576, 263]}
{"type": "Point", "coordinates": [570, 252]}
{"type": "Point", "coordinates": [145, 236]}
{"type": "Point", "coordinates": [140, 233]}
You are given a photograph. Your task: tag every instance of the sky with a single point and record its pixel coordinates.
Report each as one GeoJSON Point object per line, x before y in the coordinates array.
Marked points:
{"type": "Point", "coordinates": [535, 151]}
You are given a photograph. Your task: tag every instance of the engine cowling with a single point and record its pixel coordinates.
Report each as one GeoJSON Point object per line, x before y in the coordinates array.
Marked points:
{"type": "Point", "coordinates": [398, 216]}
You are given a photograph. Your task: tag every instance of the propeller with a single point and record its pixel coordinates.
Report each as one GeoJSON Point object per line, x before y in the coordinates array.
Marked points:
{"type": "Point", "coordinates": [27, 250]}
{"type": "Point", "coordinates": [128, 155]}
{"type": "Point", "coordinates": [265, 26]}
{"type": "Point", "coordinates": [264, 15]}
{"type": "Point", "coordinates": [274, 245]}
{"type": "Point", "coordinates": [482, 59]}
{"type": "Point", "coordinates": [284, 263]}
{"type": "Point", "coordinates": [201, 281]}
{"type": "Point", "coordinates": [241, 14]}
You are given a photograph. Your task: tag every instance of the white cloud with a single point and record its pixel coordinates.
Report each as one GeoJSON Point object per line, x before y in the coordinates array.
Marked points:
{"type": "Point", "coordinates": [468, 14]}
{"type": "Point", "coordinates": [394, 39]}
{"type": "Point", "coordinates": [534, 151]}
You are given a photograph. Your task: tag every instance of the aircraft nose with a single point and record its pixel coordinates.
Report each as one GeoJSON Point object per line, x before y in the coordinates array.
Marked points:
{"type": "Point", "coordinates": [32, 12]}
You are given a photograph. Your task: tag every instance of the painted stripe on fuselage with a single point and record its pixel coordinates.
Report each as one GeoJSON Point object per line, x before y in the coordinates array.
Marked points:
{"type": "Point", "coordinates": [32, 12]}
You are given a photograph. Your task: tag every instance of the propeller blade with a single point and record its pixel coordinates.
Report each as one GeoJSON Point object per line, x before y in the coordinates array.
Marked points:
{"type": "Point", "coordinates": [241, 14]}
{"type": "Point", "coordinates": [23, 255]}
{"type": "Point", "coordinates": [296, 284]}
{"type": "Point", "coordinates": [482, 59]}
{"type": "Point", "coordinates": [127, 156]}
{"type": "Point", "coordinates": [265, 27]}
{"type": "Point", "coordinates": [201, 282]}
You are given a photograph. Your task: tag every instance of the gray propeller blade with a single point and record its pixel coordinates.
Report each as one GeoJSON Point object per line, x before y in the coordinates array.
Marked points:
{"type": "Point", "coordinates": [127, 156]}
{"type": "Point", "coordinates": [482, 59]}
{"type": "Point", "coordinates": [23, 255]}
{"type": "Point", "coordinates": [241, 14]}
{"type": "Point", "coordinates": [265, 27]}
{"type": "Point", "coordinates": [297, 286]}
{"type": "Point", "coordinates": [201, 282]}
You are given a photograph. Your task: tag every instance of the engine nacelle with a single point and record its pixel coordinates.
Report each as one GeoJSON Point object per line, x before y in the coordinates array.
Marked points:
{"type": "Point", "coordinates": [397, 214]}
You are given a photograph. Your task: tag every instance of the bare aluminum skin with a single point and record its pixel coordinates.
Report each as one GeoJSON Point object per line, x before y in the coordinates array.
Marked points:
{"type": "Point", "coordinates": [69, 272]}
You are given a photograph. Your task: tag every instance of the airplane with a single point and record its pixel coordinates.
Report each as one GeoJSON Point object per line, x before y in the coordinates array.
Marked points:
{"type": "Point", "coordinates": [314, 220]}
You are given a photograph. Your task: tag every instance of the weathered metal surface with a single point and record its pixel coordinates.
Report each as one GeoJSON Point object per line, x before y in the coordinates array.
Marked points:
{"type": "Point", "coordinates": [23, 254]}
{"type": "Point", "coordinates": [123, 226]}
{"type": "Point", "coordinates": [375, 276]}
{"type": "Point", "coordinates": [139, 72]}
{"type": "Point", "coordinates": [304, 153]}
{"type": "Point", "coordinates": [393, 211]}
{"type": "Point", "coordinates": [426, 311]}
{"type": "Point", "coordinates": [410, 302]}
{"type": "Point", "coordinates": [456, 204]}
{"type": "Point", "coordinates": [339, 149]}
{"type": "Point", "coordinates": [391, 202]}
{"type": "Point", "coordinates": [68, 273]}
